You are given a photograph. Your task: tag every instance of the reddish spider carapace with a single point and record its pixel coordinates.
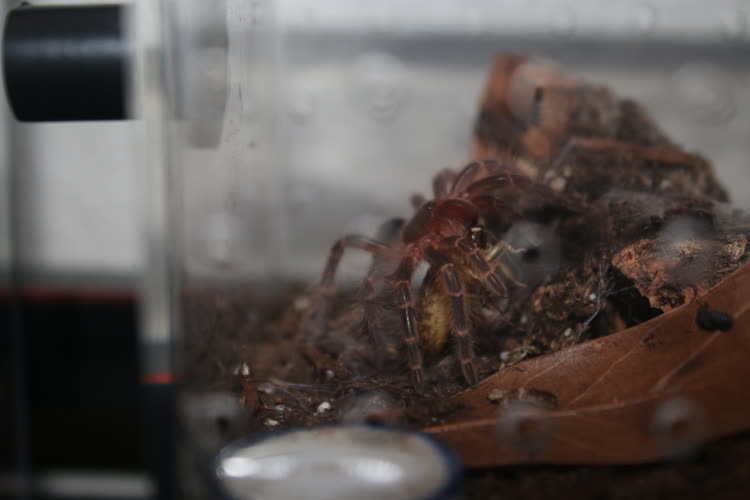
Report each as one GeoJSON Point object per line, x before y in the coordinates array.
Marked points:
{"type": "Point", "coordinates": [447, 233]}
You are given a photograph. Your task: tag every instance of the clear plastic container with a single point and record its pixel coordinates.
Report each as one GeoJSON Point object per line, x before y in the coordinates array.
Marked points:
{"type": "Point", "coordinates": [279, 126]}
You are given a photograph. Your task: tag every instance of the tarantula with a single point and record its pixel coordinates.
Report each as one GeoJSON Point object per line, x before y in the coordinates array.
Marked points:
{"type": "Point", "coordinates": [448, 233]}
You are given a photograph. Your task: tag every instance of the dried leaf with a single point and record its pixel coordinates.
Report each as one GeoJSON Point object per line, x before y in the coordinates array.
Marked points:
{"type": "Point", "coordinates": [639, 395]}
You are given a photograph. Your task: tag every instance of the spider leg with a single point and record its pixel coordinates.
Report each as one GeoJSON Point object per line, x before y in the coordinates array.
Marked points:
{"type": "Point", "coordinates": [509, 194]}
{"type": "Point", "coordinates": [369, 296]}
{"type": "Point", "coordinates": [493, 176]}
{"type": "Point", "coordinates": [495, 246]}
{"type": "Point", "coordinates": [501, 181]}
{"type": "Point", "coordinates": [479, 264]}
{"type": "Point", "coordinates": [387, 233]}
{"type": "Point", "coordinates": [417, 200]}
{"type": "Point", "coordinates": [498, 249]}
{"type": "Point", "coordinates": [401, 281]}
{"type": "Point", "coordinates": [496, 204]}
{"type": "Point", "coordinates": [441, 184]}
{"type": "Point", "coordinates": [479, 170]}
{"type": "Point", "coordinates": [466, 175]}
{"type": "Point", "coordinates": [459, 313]}
{"type": "Point", "coordinates": [326, 289]}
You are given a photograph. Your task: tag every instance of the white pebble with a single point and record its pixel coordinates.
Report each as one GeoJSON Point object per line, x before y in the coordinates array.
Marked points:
{"type": "Point", "coordinates": [301, 303]}
{"type": "Point", "coordinates": [324, 407]}
{"type": "Point", "coordinates": [242, 369]}
{"type": "Point", "coordinates": [504, 356]}
{"type": "Point", "coordinates": [280, 408]}
{"type": "Point", "coordinates": [496, 394]}
{"type": "Point", "coordinates": [269, 422]}
{"type": "Point", "coordinates": [329, 374]}
{"type": "Point", "coordinates": [557, 184]}
{"type": "Point", "coordinates": [567, 332]}
{"type": "Point", "coordinates": [266, 388]}
{"type": "Point", "coordinates": [592, 297]}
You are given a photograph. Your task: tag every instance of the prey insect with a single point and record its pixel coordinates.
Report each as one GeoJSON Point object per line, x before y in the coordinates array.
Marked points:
{"type": "Point", "coordinates": [450, 235]}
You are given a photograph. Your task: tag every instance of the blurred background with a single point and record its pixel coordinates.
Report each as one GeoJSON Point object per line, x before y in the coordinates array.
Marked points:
{"type": "Point", "coordinates": [316, 118]}
{"type": "Point", "coordinates": [355, 82]}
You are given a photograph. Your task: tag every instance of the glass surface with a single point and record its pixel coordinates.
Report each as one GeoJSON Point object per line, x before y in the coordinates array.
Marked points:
{"type": "Point", "coordinates": [291, 123]}
{"type": "Point", "coordinates": [335, 114]}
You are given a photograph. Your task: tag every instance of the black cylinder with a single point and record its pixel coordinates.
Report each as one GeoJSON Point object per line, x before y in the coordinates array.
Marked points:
{"type": "Point", "coordinates": [65, 63]}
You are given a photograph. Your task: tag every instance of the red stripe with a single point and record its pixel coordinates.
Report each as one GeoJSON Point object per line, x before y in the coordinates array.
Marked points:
{"type": "Point", "coordinates": [158, 378]}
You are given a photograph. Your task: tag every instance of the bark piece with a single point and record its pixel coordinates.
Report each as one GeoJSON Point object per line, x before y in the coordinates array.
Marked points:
{"type": "Point", "coordinates": [671, 272]}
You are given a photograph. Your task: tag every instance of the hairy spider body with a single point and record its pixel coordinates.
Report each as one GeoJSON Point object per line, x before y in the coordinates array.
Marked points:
{"type": "Point", "coordinates": [433, 304]}
{"type": "Point", "coordinates": [446, 233]}
{"type": "Point", "coordinates": [434, 314]}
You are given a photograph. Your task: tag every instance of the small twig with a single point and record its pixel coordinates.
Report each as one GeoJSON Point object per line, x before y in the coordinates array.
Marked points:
{"type": "Point", "coordinates": [602, 292]}
{"type": "Point", "coordinates": [590, 318]}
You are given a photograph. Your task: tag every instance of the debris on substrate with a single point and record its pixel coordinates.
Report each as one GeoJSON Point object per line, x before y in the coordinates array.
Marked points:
{"type": "Point", "coordinates": [640, 227]}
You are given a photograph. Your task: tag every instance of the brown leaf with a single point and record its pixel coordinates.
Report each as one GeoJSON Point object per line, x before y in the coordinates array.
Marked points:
{"type": "Point", "coordinates": [638, 395]}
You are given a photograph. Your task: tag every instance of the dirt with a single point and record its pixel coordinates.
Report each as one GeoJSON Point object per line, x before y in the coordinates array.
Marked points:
{"type": "Point", "coordinates": [720, 470]}
{"type": "Point", "coordinates": [290, 382]}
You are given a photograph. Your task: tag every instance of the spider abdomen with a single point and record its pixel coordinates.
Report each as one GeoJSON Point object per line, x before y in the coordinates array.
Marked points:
{"type": "Point", "coordinates": [433, 314]}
